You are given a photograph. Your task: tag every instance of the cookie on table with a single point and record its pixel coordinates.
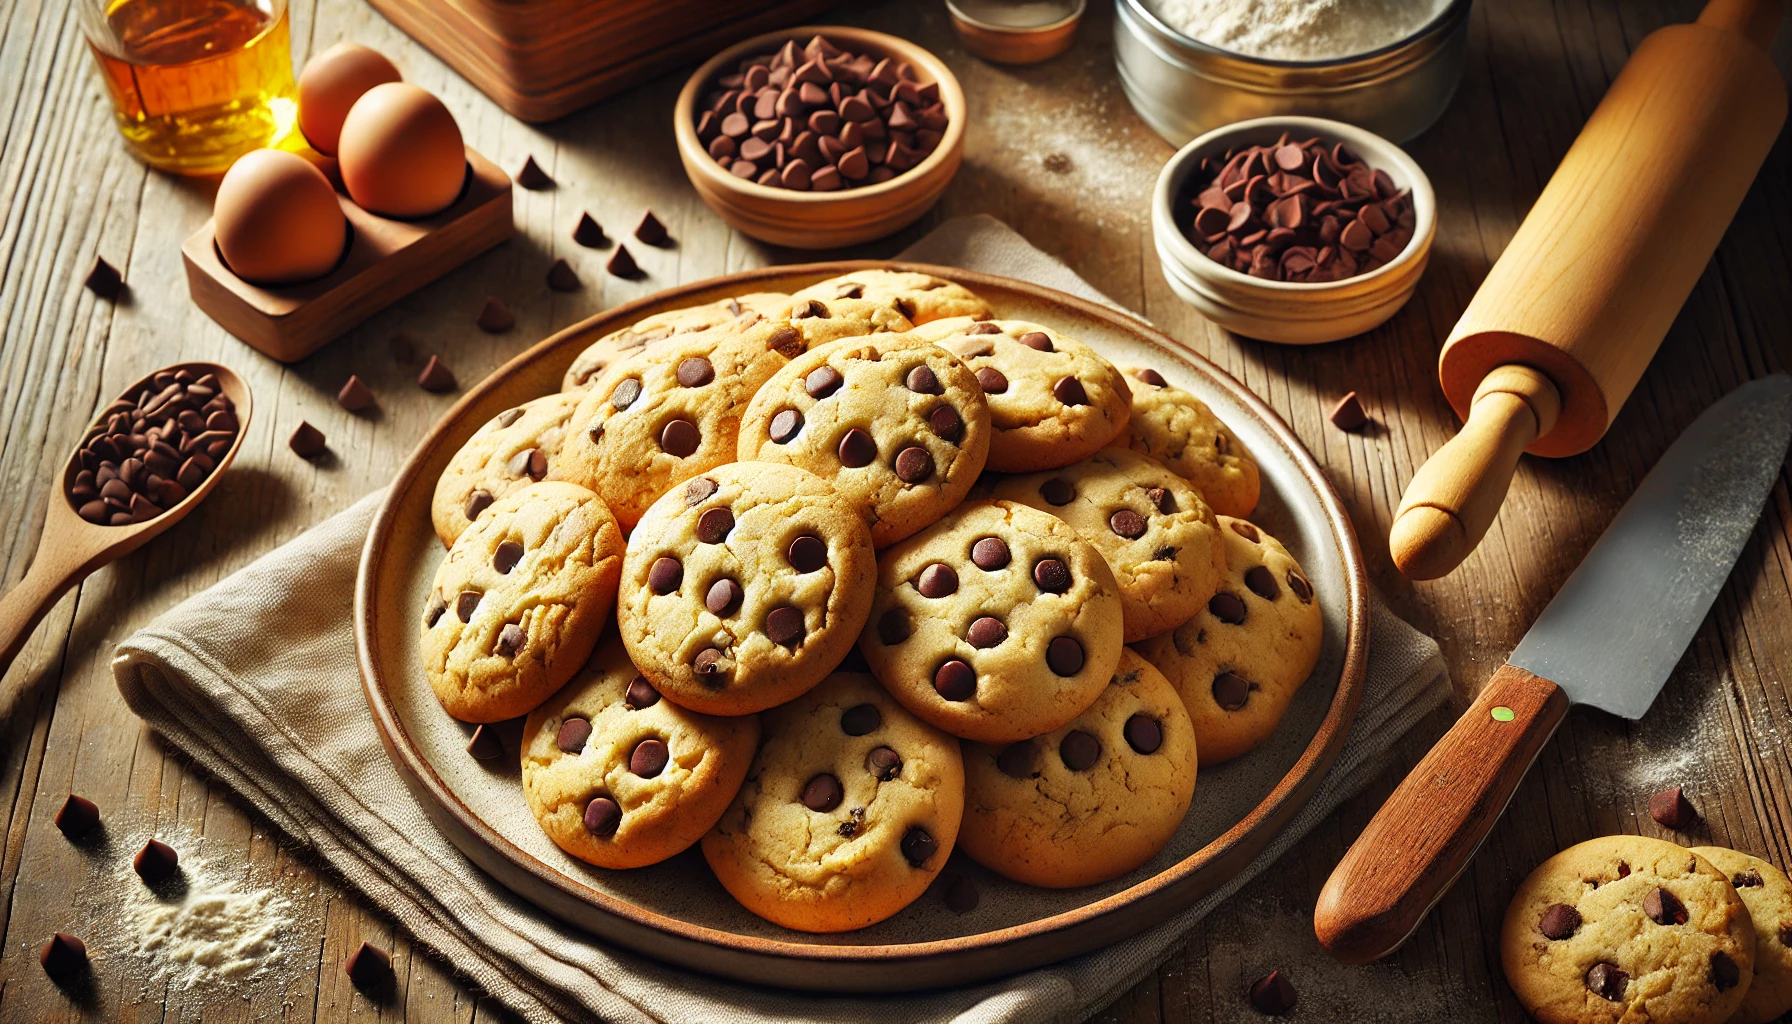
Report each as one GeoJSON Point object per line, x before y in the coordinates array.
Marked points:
{"type": "Point", "coordinates": [511, 451]}
{"type": "Point", "coordinates": [1052, 399]}
{"type": "Point", "coordinates": [1767, 893]}
{"type": "Point", "coordinates": [659, 417]}
{"type": "Point", "coordinates": [996, 624]}
{"type": "Point", "coordinates": [618, 345]}
{"type": "Point", "coordinates": [618, 777]}
{"type": "Point", "coordinates": [1153, 529]}
{"type": "Point", "coordinates": [920, 297]}
{"type": "Point", "coordinates": [1627, 928]}
{"type": "Point", "coordinates": [744, 586]}
{"type": "Point", "coordinates": [849, 811]}
{"type": "Point", "coordinates": [1239, 662]}
{"type": "Point", "coordinates": [1091, 800]}
{"type": "Point", "coordinates": [1180, 431]}
{"type": "Point", "coordinates": [898, 425]}
{"type": "Point", "coordinates": [518, 604]}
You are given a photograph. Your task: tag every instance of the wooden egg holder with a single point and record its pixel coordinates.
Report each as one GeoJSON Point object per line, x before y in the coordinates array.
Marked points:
{"type": "Point", "coordinates": [387, 260]}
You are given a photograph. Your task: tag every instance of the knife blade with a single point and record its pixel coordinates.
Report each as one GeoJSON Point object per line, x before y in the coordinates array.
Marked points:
{"type": "Point", "coordinates": [1609, 638]}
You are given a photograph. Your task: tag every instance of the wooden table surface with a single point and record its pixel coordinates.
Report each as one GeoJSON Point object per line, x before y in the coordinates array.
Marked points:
{"type": "Point", "coordinates": [1054, 150]}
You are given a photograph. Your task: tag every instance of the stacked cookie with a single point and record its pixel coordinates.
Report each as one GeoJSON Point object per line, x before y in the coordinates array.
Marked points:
{"type": "Point", "coordinates": [875, 469]}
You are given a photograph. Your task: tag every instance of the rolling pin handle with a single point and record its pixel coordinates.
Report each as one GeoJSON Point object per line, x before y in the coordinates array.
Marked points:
{"type": "Point", "coordinates": [1455, 495]}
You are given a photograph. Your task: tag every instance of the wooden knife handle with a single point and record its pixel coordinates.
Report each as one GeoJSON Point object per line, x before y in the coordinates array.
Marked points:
{"type": "Point", "coordinates": [1421, 839]}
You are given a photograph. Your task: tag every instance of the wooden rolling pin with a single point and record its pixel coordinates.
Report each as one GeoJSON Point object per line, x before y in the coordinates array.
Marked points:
{"type": "Point", "coordinates": [1569, 317]}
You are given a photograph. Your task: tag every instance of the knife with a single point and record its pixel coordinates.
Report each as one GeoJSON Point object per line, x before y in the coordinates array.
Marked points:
{"type": "Point", "coordinates": [1609, 638]}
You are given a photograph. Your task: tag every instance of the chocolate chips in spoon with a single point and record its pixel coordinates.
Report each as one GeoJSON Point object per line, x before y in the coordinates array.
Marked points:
{"type": "Point", "coordinates": [152, 448]}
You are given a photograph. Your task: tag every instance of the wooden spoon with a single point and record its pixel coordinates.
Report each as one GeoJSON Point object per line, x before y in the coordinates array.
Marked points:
{"type": "Point", "coordinates": [71, 547]}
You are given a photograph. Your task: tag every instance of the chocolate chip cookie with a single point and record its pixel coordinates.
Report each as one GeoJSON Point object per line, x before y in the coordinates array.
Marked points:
{"type": "Point", "coordinates": [1240, 661]}
{"type": "Point", "coordinates": [511, 451]}
{"type": "Point", "coordinates": [621, 344]}
{"type": "Point", "coordinates": [1091, 800]}
{"type": "Point", "coordinates": [1052, 399]}
{"type": "Point", "coordinates": [822, 320]}
{"type": "Point", "coordinates": [849, 811]}
{"type": "Point", "coordinates": [618, 777]}
{"type": "Point", "coordinates": [1627, 928]}
{"type": "Point", "coordinates": [1153, 529]}
{"type": "Point", "coordinates": [518, 604]}
{"type": "Point", "coordinates": [898, 425]}
{"type": "Point", "coordinates": [997, 623]}
{"type": "Point", "coordinates": [1767, 893]}
{"type": "Point", "coordinates": [920, 297]}
{"type": "Point", "coordinates": [1180, 431]}
{"type": "Point", "coordinates": [744, 586]}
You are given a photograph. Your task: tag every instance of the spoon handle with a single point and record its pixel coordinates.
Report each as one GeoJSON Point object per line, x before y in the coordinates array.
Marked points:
{"type": "Point", "coordinates": [53, 570]}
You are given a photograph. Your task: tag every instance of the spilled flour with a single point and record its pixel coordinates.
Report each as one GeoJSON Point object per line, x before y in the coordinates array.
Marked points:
{"type": "Point", "coordinates": [213, 932]}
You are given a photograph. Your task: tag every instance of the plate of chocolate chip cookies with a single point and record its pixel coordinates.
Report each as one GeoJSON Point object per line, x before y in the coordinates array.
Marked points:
{"type": "Point", "coordinates": [816, 624]}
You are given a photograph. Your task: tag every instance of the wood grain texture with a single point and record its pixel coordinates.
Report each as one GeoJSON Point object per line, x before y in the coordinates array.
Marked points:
{"type": "Point", "coordinates": [1057, 153]}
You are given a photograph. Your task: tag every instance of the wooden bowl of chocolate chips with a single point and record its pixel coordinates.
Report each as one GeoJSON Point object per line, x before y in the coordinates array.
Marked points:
{"type": "Point", "coordinates": [821, 136]}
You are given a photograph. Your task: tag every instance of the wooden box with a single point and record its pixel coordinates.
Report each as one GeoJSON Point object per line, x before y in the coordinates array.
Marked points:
{"type": "Point", "coordinates": [543, 59]}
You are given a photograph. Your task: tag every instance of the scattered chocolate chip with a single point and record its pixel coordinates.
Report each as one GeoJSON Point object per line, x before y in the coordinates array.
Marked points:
{"type": "Point", "coordinates": [435, 377]}
{"type": "Point", "coordinates": [823, 381]}
{"type": "Point", "coordinates": [860, 719]}
{"type": "Point", "coordinates": [1272, 994]}
{"type": "Point", "coordinates": [1057, 491]}
{"type": "Point", "coordinates": [1607, 981]}
{"type": "Point", "coordinates": [495, 317]}
{"type": "Point", "coordinates": [807, 553]}
{"type": "Point", "coordinates": [156, 862]}
{"type": "Point", "coordinates": [573, 734]}
{"type": "Point", "coordinates": [784, 426]}
{"type": "Point", "coordinates": [532, 177]}
{"type": "Point", "coordinates": [402, 346]}
{"type": "Point", "coordinates": [989, 553]}
{"type": "Point", "coordinates": [913, 464]}
{"type": "Point", "coordinates": [1143, 733]}
{"type": "Point", "coordinates": [893, 627]}
{"type": "Point", "coordinates": [64, 958]}
{"type": "Point", "coordinates": [649, 758]}
{"type": "Point", "coordinates": [506, 556]}
{"type": "Point", "coordinates": [1302, 589]}
{"type": "Point", "coordinates": [937, 580]}
{"type": "Point", "coordinates": [955, 680]}
{"type": "Point", "coordinates": [680, 438]}
{"type": "Point", "coordinates": [529, 462]}
{"type": "Point", "coordinates": [1127, 523]}
{"type": "Point", "coordinates": [1051, 576]}
{"type": "Point", "coordinates": [923, 381]}
{"type": "Point", "coordinates": [992, 380]}
{"type": "Point", "coordinates": [354, 396]}
{"type": "Point", "coordinates": [484, 745]}
{"type": "Point", "coordinates": [1228, 608]}
{"type": "Point", "coordinates": [307, 441]}
{"type": "Point", "coordinates": [466, 604]}
{"type": "Point", "coordinates": [602, 816]}
{"type": "Point", "coordinates": [369, 968]}
{"type": "Point", "coordinates": [723, 597]}
{"type": "Point", "coordinates": [883, 763]}
{"type": "Point", "coordinates": [562, 278]}
{"type": "Point", "coordinates": [1016, 760]}
{"type": "Point", "coordinates": [857, 449]}
{"type": "Point", "coordinates": [1064, 656]}
{"type": "Point", "coordinates": [1245, 530]}
{"type": "Point", "coordinates": [651, 231]}
{"type": "Point", "coordinates": [918, 845]}
{"type": "Point", "coordinates": [77, 816]}
{"type": "Point", "coordinates": [1151, 377]}
{"type": "Point", "coordinates": [1079, 750]}
{"type": "Point", "coordinates": [1671, 809]}
{"type": "Point", "coordinates": [622, 264]}
{"type": "Point", "coordinates": [1348, 414]}
{"type": "Point", "coordinates": [1559, 921]}
{"type": "Point", "coordinates": [961, 895]}
{"type": "Point", "coordinates": [665, 574]}
{"type": "Point", "coordinates": [823, 793]}
{"type": "Point", "coordinates": [1037, 340]}
{"type": "Point", "coordinates": [1262, 582]}
{"type": "Point", "coordinates": [477, 502]}
{"type": "Point", "coordinates": [1663, 907]}
{"type": "Point", "coordinates": [589, 233]}
{"type": "Point", "coordinates": [714, 525]}
{"type": "Point", "coordinates": [986, 631]}
{"type": "Point", "coordinates": [626, 392]}
{"type": "Point", "coordinates": [1069, 391]}
{"type": "Point", "coordinates": [784, 626]}
{"type": "Point", "coordinates": [1230, 691]}
{"type": "Point", "coordinates": [104, 279]}
{"type": "Point", "coordinates": [946, 423]}
{"type": "Point", "coordinates": [694, 372]}
{"type": "Point", "coordinates": [511, 640]}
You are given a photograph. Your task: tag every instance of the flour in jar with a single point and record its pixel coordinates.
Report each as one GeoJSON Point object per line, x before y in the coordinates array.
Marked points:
{"type": "Point", "coordinates": [1298, 29]}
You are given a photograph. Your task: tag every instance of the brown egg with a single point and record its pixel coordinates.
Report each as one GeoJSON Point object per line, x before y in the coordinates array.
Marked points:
{"type": "Point", "coordinates": [277, 220]}
{"type": "Point", "coordinates": [401, 153]}
{"type": "Point", "coordinates": [332, 82]}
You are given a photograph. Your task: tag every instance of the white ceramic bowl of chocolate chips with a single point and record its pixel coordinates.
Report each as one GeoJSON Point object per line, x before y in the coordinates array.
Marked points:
{"type": "Point", "coordinates": [1297, 230]}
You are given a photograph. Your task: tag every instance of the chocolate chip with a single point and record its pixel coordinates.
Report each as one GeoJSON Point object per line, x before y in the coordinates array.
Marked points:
{"type": "Point", "coordinates": [937, 580]}
{"type": "Point", "coordinates": [1671, 809]}
{"type": "Point", "coordinates": [1036, 340]}
{"type": "Point", "coordinates": [1069, 391]}
{"type": "Point", "coordinates": [983, 327]}
{"type": "Point", "coordinates": [1559, 921]}
{"type": "Point", "coordinates": [1786, 935]}
{"type": "Point", "coordinates": [589, 233]}
{"type": "Point", "coordinates": [1228, 608]}
{"type": "Point", "coordinates": [923, 381]}
{"type": "Point", "coordinates": [1724, 972]}
{"type": "Point", "coordinates": [495, 317]}
{"type": "Point", "coordinates": [622, 264]}
{"type": "Point", "coordinates": [918, 845]}
{"type": "Point", "coordinates": [511, 639]}
{"type": "Point", "coordinates": [1016, 760]}
{"type": "Point", "coordinates": [602, 816]}
{"type": "Point", "coordinates": [1245, 530]}
{"type": "Point", "coordinates": [807, 553]}
{"type": "Point", "coordinates": [991, 380]}
{"type": "Point", "coordinates": [707, 662]}
{"type": "Point", "coordinates": [857, 449]}
{"type": "Point", "coordinates": [509, 416]}
{"type": "Point", "coordinates": [1607, 981]}
{"type": "Point", "coordinates": [913, 464]}
{"type": "Point", "coordinates": [354, 396]}
{"type": "Point", "coordinates": [955, 680]}
{"type": "Point", "coordinates": [466, 604]}
{"type": "Point", "coordinates": [986, 631]}
{"type": "Point", "coordinates": [1079, 750]}
{"type": "Point", "coordinates": [713, 525]}
{"type": "Point", "coordinates": [665, 574]}
{"type": "Point", "coordinates": [823, 793]}
{"type": "Point", "coordinates": [786, 341]}
{"type": "Point", "coordinates": [823, 381]}
{"type": "Point", "coordinates": [946, 423]}
{"type": "Point", "coordinates": [723, 597]}
{"type": "Point", "coordinates": [640, 694]}
{"type": "Point", "coordinates": [402, 346]}
{"type": "Point", "coordinates": [784, 625]}
{"type": "Point", "coordinates": [64, 958]}
{"type": "Point", "coordinates": [1348, 414]}
{"type": "Point", "coordinates": [893, 627]}
{"type": "Point", "coordinates": [1262, 582]}
{"type": "Point", "coordinates": [883, 763]}
{"type": "Point", "coordinates": [1127, 523]}
{"type": "Point", "coordinates": [484, 745]}
{"type": "Point", "coordinates": [784, 425]}
{"type": "Point", "coordinates": [1302, 589]}
{"type": "Point", "coordinates": [529, 462]}
{"type": "Point", "coordinates": [104, 279]}
{"type": "Point", "coordinates": [649, 758]}
{"type": "Point", "coordinates": [961, 895]}
{"type": "Point", "coordinates": [860, 719]}
{"type": "Point", "coordinates": [156, 862]}
{"type": "Point", "coordinates": [698, 489]}
{"type": "Point", "coordinates": [433, 614]}
{"type": "Point", "coordinates": [77, 816]}
{"type": "Point", "coordinates": [369, 968]}
{"type": "Point", "coordinates": [1749, 879]}
{"type": "Point", "coordinates": [562, 278]}
{"type": "Point", "coordinates": [1064, 656]}
{"type": "Point", "coordinates": [307, 441]}
{"type": "Point", "coordinates": [1273, 994]}
{"type": "Point", "coordinates": [1051, 575]}
{"type": "Point", "coordinates": [694, 372]}
{"type": "Point", "coordinates": [1143, 733]}
{"type": "Point", "coordinates": [1230, 691]}
{"type": "Point", "coordinates": [436, 377]}
{"type": "Point", "coordinates": [1663, 907]}
{"type": "Point", "coordinates": [1057, 491]}
{"type": "Point", "coordinates": [989, 553]}
{"type": "Point", "coordinates": [625, 393]}
{"type": "Point", "coordinates": [1151, 377]}
{"type": "Point", "coordinates": [532, 177]}
{"type": "Point", "coordinates": [651, 231]}
{"type": "Point", "coordinates": [679, 438]}
{"type": "Point", "coordinates": [572, 736]}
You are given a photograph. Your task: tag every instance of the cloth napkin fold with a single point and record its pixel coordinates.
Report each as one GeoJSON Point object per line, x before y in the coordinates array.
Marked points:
{"type": "Point", "coordinates": [256, 680]}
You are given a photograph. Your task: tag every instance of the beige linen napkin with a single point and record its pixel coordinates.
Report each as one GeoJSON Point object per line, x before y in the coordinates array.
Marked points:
{"type": "Point", "coordinates": [277, 713]}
